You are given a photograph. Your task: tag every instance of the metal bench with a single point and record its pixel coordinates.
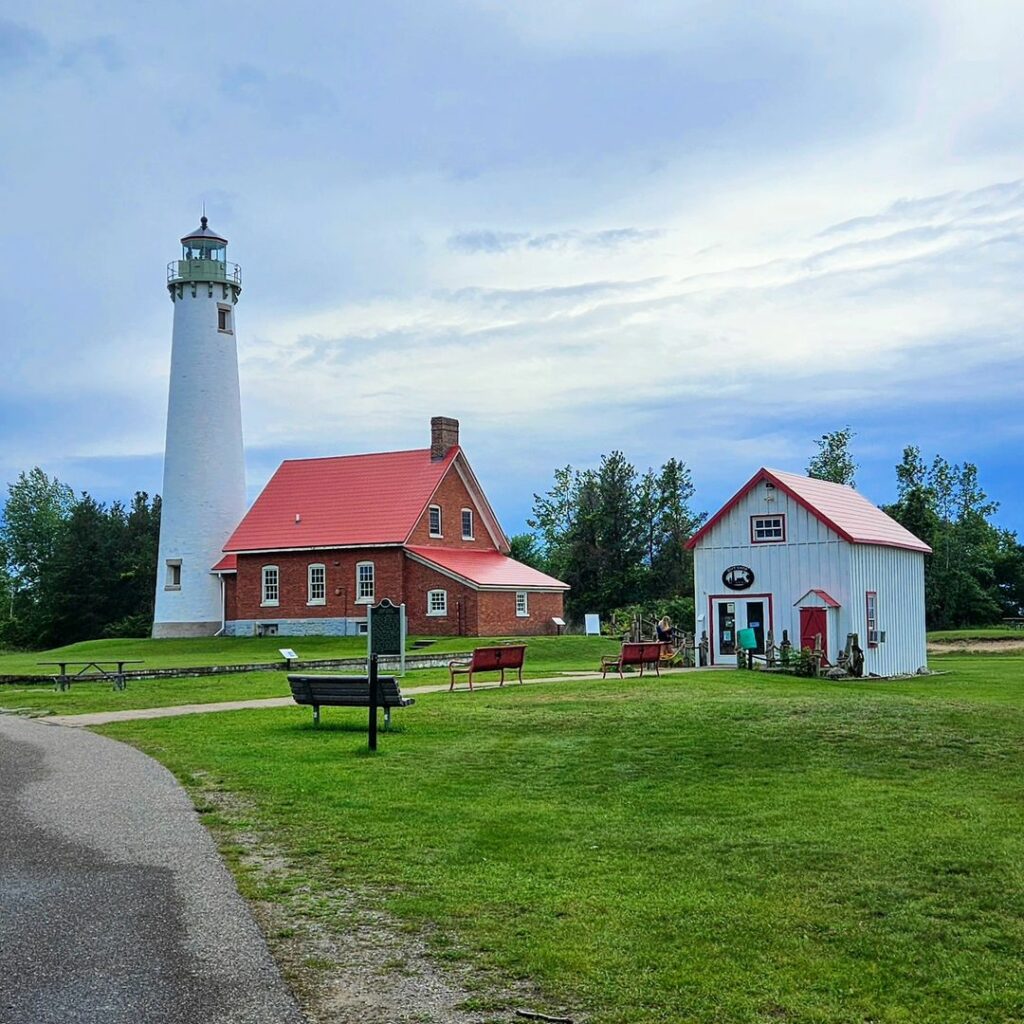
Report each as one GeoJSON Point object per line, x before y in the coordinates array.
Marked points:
{"type": "Point", "coordinates": [644, 653]}
{"type": "Point", "coordinates": [347, 692]}
{"type": "Point", "coordinates": [490, 659]}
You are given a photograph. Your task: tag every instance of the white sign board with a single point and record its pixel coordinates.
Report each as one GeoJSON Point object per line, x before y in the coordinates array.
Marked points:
{"type": "Point", "coordinates": [288, 654]}
{"type": "Point", "coordinates": [592, 625]}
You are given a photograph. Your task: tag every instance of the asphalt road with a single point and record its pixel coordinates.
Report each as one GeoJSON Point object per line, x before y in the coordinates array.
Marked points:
{"type": "Point", "coordinates": [114, 904]}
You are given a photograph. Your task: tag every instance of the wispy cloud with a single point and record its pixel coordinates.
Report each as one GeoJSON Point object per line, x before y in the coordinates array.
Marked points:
{"type": "Point", "coordinates": [488, 241]}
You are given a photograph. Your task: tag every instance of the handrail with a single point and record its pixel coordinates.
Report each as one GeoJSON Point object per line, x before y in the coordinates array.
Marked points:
{"type": "Point", "coordinates": [232, 271]}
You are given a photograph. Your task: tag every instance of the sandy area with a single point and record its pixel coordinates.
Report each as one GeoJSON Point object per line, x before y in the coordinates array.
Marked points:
{"type": "Point", "coordinates": [976, 646]}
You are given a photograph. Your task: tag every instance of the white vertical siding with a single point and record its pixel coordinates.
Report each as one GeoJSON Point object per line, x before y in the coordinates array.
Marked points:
{"type": "Point", "coordinates": [897, 575]}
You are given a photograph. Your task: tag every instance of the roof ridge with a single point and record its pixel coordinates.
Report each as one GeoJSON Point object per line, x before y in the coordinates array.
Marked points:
{"type": "Point", "coordinates": [357, 455]}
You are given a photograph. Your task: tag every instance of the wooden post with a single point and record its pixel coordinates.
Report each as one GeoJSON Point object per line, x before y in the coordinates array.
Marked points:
{"type": "Point", "coordinates": [818, 654]}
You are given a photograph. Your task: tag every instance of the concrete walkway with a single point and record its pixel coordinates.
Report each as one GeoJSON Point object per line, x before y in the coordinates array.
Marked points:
{"type": "Point", "coordinates": [105, 717]}
{"type": "Point", "coordinates": [116, 906]}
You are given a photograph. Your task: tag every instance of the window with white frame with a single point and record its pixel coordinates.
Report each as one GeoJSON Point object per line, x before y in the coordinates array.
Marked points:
{"type": "Point", "coordinates": [437, 602]}
{"type": "Point", "coordinates": [767, 529]}
{"type": "Point", "coordinates": [467, 524]}
{"type": "Point", "coordinates": [172, 581]}
{"type": "Point", "coordinates": [364, 583]}
{"type": "Point", "coordinates": [871, 602]}
{"type": "Point", "coordinates": [317, 584]}
{"type": "Point", "coordinates": [434, 518]}
{"type": "Point", "coordinates": [271, 585]}
{"type": "Point", "coordinates": [522, 607]}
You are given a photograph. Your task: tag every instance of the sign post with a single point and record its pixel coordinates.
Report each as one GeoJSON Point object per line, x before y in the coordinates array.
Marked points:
{"type": "Point", "coordinates": [374, 701]}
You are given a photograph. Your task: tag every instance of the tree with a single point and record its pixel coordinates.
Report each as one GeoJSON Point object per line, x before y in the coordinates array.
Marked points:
{"type": "Point", "coordinates": [615, 537]}
{"type": "Point", "coordinates": [524, 547]}
{"type": "Point", "coordinates": [833, 461]}
{"type": "Point", "coordinates": [37, 509]}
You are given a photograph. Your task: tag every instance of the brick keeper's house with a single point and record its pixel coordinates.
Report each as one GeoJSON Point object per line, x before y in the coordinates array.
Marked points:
{"type": "Point", "coordinates": [328, 537]}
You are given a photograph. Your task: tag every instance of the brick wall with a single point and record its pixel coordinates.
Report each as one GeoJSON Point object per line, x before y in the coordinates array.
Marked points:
{"type": "Point", "coordinates": [497, 613]}
{"type": "Point", "coordinates": [461, 619]}
{"type": "Point", "coordinates": [453, 497]}
{"type": "Point", "coordinates": [340, 577]}
{"type": "Point", "coordinates": [230, 596]}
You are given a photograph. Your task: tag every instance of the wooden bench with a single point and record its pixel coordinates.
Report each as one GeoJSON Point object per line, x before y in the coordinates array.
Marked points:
{"type": "Point", "coordinates": [644, 653]}
{"type": "Point", "coordinates": [490, 659]}
{"type": "Point", "coordinates": [347, 692]}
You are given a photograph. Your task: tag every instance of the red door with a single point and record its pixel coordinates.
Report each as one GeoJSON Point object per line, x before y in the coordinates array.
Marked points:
{"type": "Point", "coordinates": [812, 622]}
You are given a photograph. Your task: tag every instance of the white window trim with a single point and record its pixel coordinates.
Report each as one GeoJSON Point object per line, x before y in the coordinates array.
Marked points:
{"type": "Point", "coordinates": [373, 582]}
{"type": "Point", "coordinates": [764, 517]}
{"type": "Point", "coordinates": [172, 563]}
{"type": "Point", "coordinates": [440, 521]}
{"type": "Point", "coordinates": [525, 613]}
{"type": "Point", "coordinates": [472, 524]}
{"type": "Point", "coordinates": [223, 307]}
{"type": "Point", "coordinates": [442, 613]}
{"type": "Point", "coordinates": [312, 601]}
{"type": "Point", "coordinates": [274, 601]}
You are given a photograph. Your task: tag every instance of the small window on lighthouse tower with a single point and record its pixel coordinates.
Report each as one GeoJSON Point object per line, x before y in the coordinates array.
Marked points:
{"type": "Point", "coordinates": [173, 579]}
{"type": "Point", "coordinates": [224, 319]}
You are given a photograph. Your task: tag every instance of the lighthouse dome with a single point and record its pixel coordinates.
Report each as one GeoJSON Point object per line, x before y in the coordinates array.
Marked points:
{"type": "Point", "coordinates": [203, 234]}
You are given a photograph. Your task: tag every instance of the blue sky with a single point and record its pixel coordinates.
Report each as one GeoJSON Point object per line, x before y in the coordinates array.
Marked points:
{"type": "Point", "coordinates": [682, 228]}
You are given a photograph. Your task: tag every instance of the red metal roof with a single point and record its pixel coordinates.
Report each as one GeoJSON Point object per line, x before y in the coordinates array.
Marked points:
{"type": "Point", "coordinates": [488, 570]}
{"type": "Point", "coordinates": [348, 501]}
{"type": "Point", "coordinates": [823, 595]}
{"type": "Point", "coordinates": [229, 563]}
{"type": "Point", "coordinates": [839, 507]}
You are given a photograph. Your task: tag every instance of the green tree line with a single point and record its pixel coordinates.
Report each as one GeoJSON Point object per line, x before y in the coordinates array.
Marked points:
{"type": "Point", "coordinates": [72, 568]}
{"type": "Point", "coordinates": [617, 536]}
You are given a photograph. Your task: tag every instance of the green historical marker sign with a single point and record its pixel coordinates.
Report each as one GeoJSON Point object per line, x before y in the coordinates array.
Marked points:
{"type": "Point", "coordinates": [386, 631]}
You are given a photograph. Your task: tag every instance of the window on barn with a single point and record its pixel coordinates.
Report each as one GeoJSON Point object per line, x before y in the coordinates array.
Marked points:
{"type": "Point", "coordinates": [317, 584]}
{"type": "Point", "coordinates": [522, 608]}
{"type": "Point", "coordinates": [172, 581]}
{"type": "Point", "coordinates": [767, 529]}
{"type": "Point", "coordinates": [437, 602]}
{"type": "Point", "coordinates": [271, 585]}
{"type": "Point", "coordinates": [871, 600]}
{"type": "Point", "coordinates": [467, 524]}
{"type": "Point", "coordinates": [364, 583]}
{"type": "Point", "coordinates": [434, 515]}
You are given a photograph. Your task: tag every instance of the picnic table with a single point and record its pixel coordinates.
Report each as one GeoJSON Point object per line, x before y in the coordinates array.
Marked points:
{"type": "Point", "coordinates": [62, 680]}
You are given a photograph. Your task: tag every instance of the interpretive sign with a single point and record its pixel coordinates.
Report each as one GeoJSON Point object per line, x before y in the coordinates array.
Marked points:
{"type": "Point", "coordinates": [385, 633]}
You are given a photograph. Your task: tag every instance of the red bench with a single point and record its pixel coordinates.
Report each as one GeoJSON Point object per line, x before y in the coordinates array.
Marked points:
{"type": "Point", "coordinates": [646, 653]}
{"type": "Point", "coordinates": [490, 659]}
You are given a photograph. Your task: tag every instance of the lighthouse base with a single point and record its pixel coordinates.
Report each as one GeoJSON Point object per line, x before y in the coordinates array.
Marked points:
{"type": "Point", "coordinates": [169, 630]}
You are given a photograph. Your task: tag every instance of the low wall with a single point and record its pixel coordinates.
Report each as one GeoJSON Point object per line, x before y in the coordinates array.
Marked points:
{"type": "Point", "coordinates": [387, 663]}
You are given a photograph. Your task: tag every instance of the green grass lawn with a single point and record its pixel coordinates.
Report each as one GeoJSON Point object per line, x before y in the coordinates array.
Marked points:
{"type": "Point", "coordinates": [198, 652]}
{"type": "Point", "coordinates": [711, 847]}
{"type": "Point", "coordinates": [545, 656]}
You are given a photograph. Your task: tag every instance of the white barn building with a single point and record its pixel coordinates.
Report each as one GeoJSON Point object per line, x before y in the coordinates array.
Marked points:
{"type": "Point", "coordinates": [788, 552]}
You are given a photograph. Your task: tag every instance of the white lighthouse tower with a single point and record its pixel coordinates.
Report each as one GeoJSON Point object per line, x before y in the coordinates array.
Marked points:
{"type": "Point", "coordinates": [204, 467]}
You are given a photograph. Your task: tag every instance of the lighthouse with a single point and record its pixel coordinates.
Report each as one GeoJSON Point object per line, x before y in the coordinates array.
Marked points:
{"type": "Point", "coordinates": [204, 466]}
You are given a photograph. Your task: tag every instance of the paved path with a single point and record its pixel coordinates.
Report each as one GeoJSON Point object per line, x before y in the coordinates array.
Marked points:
{"type": "Point", "coordinates": [114, 905]}
{"type": "Point", "coordinates": [130, 714]}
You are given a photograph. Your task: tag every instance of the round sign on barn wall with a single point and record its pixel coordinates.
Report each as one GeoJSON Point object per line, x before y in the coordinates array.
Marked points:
{"type": "Point", "coordinates": [738, 577]}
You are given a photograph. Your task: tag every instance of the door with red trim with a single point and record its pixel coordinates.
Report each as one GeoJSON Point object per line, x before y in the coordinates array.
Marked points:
{"type": "Point", "coordinates": [812, 622]}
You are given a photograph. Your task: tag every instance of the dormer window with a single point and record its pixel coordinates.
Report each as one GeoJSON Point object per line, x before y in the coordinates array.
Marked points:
{"type": "Point", "coordinates": [434, 520]}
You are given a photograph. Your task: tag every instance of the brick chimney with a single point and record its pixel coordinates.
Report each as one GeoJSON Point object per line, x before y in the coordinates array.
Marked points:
{"type": "Point", "coordinates": [444, 435]}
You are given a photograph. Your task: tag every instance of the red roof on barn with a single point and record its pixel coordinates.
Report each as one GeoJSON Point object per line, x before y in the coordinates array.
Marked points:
{"type": "Point", "coordinates": [488, 569]}
{"type": "Point", "coordinates": [347, 501]}
{"type": "Point", "coordinates": [839, 507]}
